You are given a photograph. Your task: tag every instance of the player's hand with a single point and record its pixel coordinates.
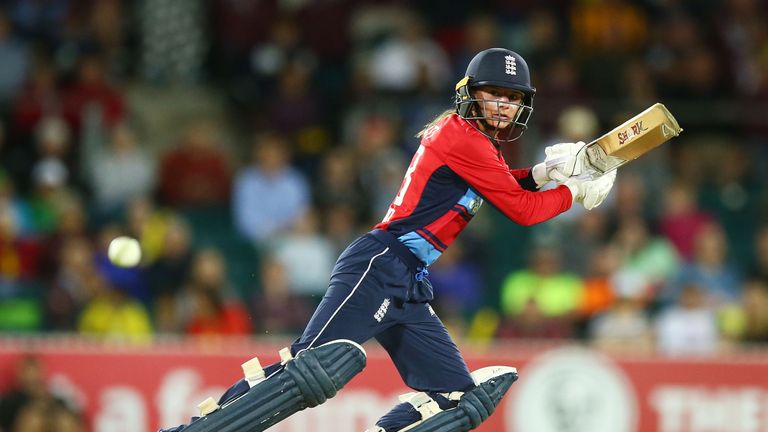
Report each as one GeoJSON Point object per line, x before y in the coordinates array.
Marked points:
{"type": "Point", "coordinates": [566, 160]}
{"type": "Point", "coordinates": [591, 193]}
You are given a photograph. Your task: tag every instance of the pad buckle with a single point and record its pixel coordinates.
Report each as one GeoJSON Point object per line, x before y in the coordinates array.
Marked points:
{"type": "Point", "coordinates": [424, 404]}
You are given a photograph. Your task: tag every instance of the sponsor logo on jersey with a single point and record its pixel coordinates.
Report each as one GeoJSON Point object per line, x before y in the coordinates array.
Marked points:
{"type": "Point", "coordinates": [379, 315]}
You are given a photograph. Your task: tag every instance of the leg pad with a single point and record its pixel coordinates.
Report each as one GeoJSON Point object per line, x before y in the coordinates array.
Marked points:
{"type": "Point", "coordinates": [308, 380]}
{"type": "Point", "coordinates": [474, 407]}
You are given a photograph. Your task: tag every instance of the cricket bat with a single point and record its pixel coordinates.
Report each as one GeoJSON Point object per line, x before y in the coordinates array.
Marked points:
{"type": "Point", "coordinates": [632, 139]}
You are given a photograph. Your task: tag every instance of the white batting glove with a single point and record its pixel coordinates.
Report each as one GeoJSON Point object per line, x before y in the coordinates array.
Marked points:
{"type": "Point", "coordinates": [591, 193]}
{"type": "Point", "coordinates": [566, 160]}
{"type": "Point", "coordinates": [539, 173]}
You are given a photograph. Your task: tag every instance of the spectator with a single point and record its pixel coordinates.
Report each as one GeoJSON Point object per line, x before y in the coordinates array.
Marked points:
{"type": "Point", "coordinates": [168, 273]}
{"type": "Point", "coordinates": [380, 161]}
{"type": "Point", "coordinates": [223, 310]}
{"type": "Point", "coordinates": [64, 419]}
{"type": "Point", "coordinates": [30, 407]}
{"type": "Point", "coordinates": [43, 22]}
{"type": "Point", "coordinates": [709, 270]}
{"type": "Point", "coordinates": [754, 304]}
{"type": "Point", "coordinates": [306, 245]}
{"type": "Point", "coordinates": [277, 310]}
{"type": "Point", "coordinates": [681, 219]}
{"type": "Point", "coordinates": [212, 315]}
{"type": "Point", "coordinates": [39, 99]}
{"type": "Point", "coordinates": [605, 33]}
{"type": "Point", "coordinates": [582, 239]}
{"type": "Point", "coordinates": [650, 258]}
{"type": "Point", "coordinates": [19, 256]}
{"type": "Point", "coordinates": [409, 60]}
{"type": "Point", "coordinates": [29, 385]}
{"type": "Point", "coordinates": [341, 225]}
{"type": "Point", "coordinates": [51, 191]}
{"type": "Point", "coordinates": [759, 265]}
{"type": "Point", "coordinates": [690, 326]}
{"type": "Point", "coordinates": [237, 27]}
{"type": "Point", "coordinates": [631, 199]}
{"type": "Point", "coordinates": [269, 196]}
{"type": "Point", "coordinates": [457, 283]}
{"type": "Point", "coordinates": [544, 36]}
{"type": "Point", "coordinates": [282, 49]}
{"type": "Point", "coordinates": [93, 91]}
{"type": "Point", "coordinates": [68, 291]}
{"type": "Point", "coordinates": [541, 300]}
{"type": "Point", "coordinates": [337, 182]}
{"type": "Point", "coordinates": [480, 32]}
{"type": "Point", "coordinates": [209, 271]}
{"type": "Point", "coordinates": [297, 111]}
{"type": "Point", "coordinates": [106, 25]}
{"type": "Point", "coordinates": [16, 203]}
{"type": "Point", "coordinates": [733, 196]}
{"type": "Point", "coordinates": [71, 223]}
{"type": "Point", "coordinates": [119, 171]}
{"type": "Point", "coordinates": [15, 60]}
{"type": "Point", "coordinates": [196, 172]}
{"type": "Point", "coordinates": [32, 418]}
{"type": "Point", "coordinates": [149, 224]}
{"type": "Point", "coordinates": [112, 314]}
{"type": "Point", "coordinates": [624, 327]}
{"type": "Point", "coordinates": [599, 291]}
{"type": "Point", "coordinates": [53, 139]}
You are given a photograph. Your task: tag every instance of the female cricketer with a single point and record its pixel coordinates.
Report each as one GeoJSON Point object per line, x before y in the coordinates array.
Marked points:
{"type": "Point", "coordinates": [379, 287]}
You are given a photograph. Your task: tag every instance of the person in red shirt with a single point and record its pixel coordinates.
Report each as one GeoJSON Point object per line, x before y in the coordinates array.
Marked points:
{"type": "Point", "coordinates": [379, 287]}
{"type": "Point", "coordinates": [212, 315]}
{"type": "Point", "coordinates": [196, 172]}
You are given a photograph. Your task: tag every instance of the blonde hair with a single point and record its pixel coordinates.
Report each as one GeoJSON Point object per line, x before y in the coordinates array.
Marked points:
{"type": "Point", "coordinates": [435, 121]}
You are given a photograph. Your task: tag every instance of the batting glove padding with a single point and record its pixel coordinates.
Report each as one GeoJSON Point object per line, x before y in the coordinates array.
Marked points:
{"type": "Point", "coordinates": [591, 193]}
{"type": "Point", "coordinates": [566, 160]}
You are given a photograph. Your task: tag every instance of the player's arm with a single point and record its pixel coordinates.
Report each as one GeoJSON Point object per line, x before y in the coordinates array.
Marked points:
{"type": "Point", "coordinates": [476, 161]}
{"type": "Point", "coordinates": [526, 179]}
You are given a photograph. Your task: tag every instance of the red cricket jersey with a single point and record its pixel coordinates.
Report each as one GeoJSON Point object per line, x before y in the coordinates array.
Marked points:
{"type": "Point", "coordinates": [453, 171]}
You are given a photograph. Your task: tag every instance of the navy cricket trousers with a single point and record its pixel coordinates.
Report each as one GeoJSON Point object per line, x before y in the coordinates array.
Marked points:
{"type": "Point", "coordinates": [374, 292]}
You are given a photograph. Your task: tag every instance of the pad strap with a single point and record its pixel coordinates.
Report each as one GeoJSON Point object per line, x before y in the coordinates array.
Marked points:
{"type": "Point", "coordinates": [307, 380]}
{"type": "Point", "coordinates": [422, 402]}
{"type": "Point", "coordinates": [474, 406]}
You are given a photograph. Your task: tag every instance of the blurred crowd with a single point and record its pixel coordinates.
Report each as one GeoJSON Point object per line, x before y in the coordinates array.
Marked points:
{"type": "Point", "coordinates": [32, 404]}
{"type": "Point", "coordinates": [242, 215]}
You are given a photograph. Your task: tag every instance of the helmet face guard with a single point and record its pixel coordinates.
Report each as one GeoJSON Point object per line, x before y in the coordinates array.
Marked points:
{"type": "Point", "coordinates": [496, 67]}
{"type": "Point", "coordinates": [472, 109]}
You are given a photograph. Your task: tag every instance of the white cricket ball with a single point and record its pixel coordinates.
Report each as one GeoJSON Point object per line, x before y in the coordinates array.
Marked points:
{"type": "Point", "coordinates": [124, 251]}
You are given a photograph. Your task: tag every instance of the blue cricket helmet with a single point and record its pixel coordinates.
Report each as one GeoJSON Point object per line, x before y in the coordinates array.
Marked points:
{"type": "Point", "coordinates": [498, 67]}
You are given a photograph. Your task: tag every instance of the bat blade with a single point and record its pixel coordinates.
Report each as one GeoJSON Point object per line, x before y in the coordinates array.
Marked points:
{"type": "Point", "coordinates": [633, 138]}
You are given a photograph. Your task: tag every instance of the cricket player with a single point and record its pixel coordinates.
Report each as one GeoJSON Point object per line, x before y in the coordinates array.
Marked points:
{"type": "Point", "coordinates": [380, 288]}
